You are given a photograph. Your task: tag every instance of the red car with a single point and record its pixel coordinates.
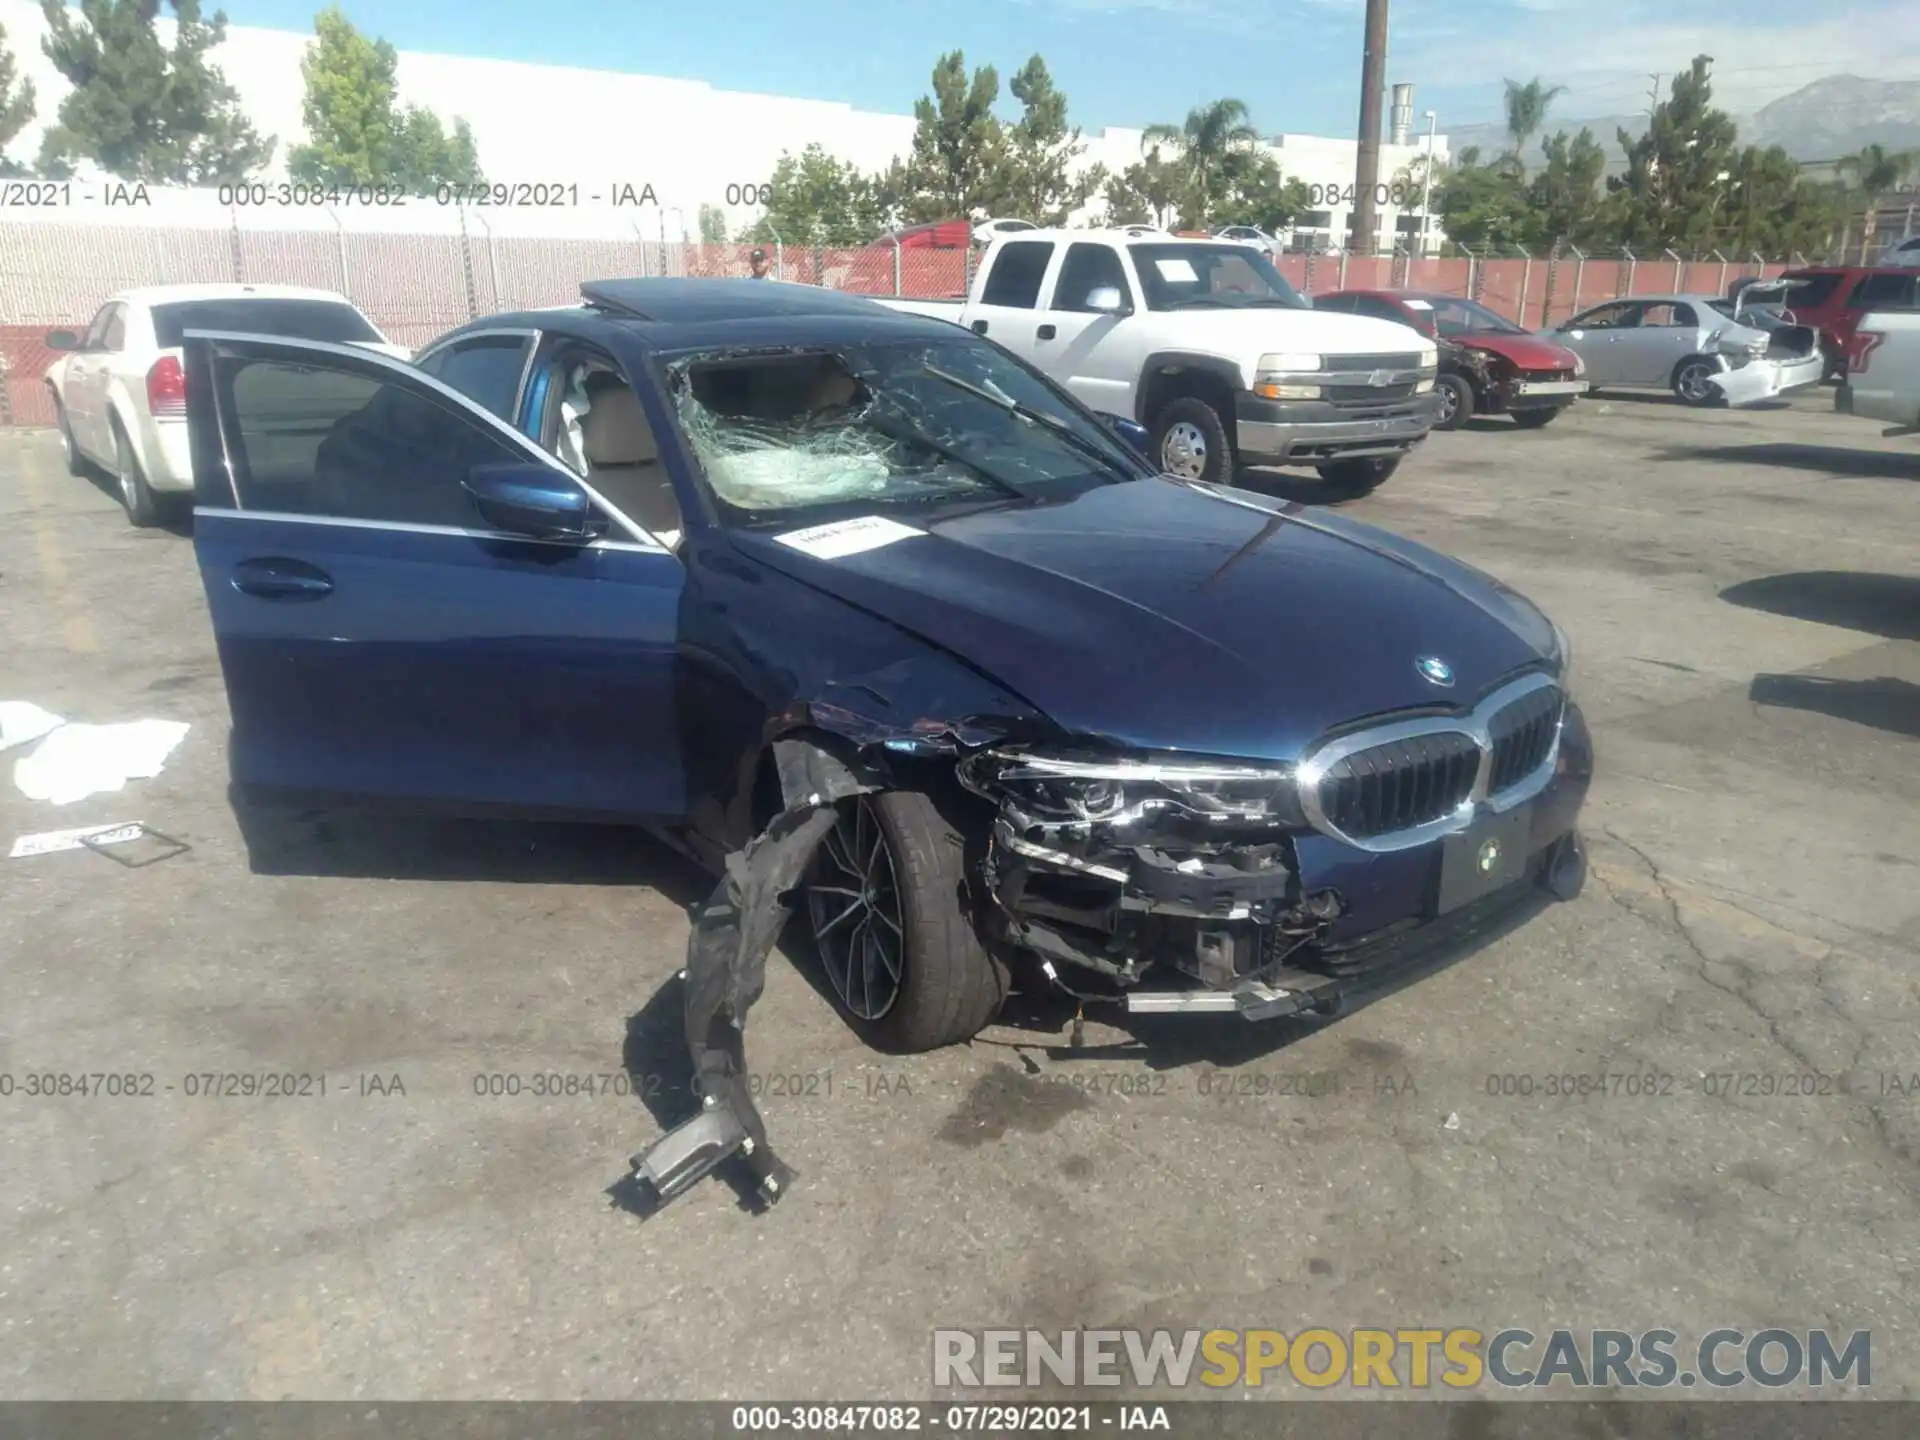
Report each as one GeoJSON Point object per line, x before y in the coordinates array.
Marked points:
{"type": "Point", "coordinates": [1488, 364]}
{"type": "Point", "coordinates": [1832, 298]}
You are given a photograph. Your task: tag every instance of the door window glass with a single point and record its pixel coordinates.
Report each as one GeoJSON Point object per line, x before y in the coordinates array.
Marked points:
{"type": "Point", "coordinates": [486, 370]}
{"type": "Point", "coordinates": [1017, 272]}
{"type": "Point", "coordinates": [350, 444]}
{"type": "Point", "coordinates": [1087, 268]}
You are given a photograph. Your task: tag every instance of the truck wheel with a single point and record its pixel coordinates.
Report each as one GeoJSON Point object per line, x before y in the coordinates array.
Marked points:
{"type": "Point", "coordinates": [1456, 402]}
{"type": "Point", "coordinates": [1693, 382]}
{"type": "Point", "coordinates": [894, 931]}
{"type": "Point", "coordinates": [1189, 441]}
{"type": "Point", "coordinates": [1359, 477]}
{"type": "Point", "coordinates": [1534, 419]}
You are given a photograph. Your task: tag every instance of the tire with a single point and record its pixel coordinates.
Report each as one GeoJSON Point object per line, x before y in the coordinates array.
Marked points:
{"type": "Point", "coordinates": [1456, 401]}
{"type": "Point", "coordinates": [946, 986]}
{"type": "Point", "coordinates": [1691, 384]}
{"type": "Point", "coordinates": [76, 462]}
{"type": "Point", "coordinates": [1534, 419]}
{"type": "Point", "coordinates": [1191, 441]}
{"type": "Point", "coordinates": [136, 496]}
{"type": "Point", "coordinates": [1359, 477]}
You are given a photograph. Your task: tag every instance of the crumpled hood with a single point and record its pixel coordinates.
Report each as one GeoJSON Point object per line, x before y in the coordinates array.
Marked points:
{"type": "Point", "coordinates": [1165, 616]}
{"type": "Point", "coordinates": [1527, 352]}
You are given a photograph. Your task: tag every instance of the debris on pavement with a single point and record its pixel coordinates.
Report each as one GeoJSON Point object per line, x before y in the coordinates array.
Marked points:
{"type": "Point", "coordinates": [49, 842]}
{"type": "Point", "coordinates": [75, 761]}
{"type": "Point", "coordinates": [22, 721]}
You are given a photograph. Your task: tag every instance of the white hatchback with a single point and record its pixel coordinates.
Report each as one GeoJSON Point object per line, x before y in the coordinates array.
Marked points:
{"type": "Point", "coordinates": [120, 396]}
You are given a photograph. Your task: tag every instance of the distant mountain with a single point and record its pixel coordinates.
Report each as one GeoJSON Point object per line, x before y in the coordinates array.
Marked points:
{"type": "Point", "coordinates": [1820, 121]}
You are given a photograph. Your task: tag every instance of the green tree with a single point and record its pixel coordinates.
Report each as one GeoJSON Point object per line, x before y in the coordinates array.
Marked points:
{"type": "Point", "coordinates": [1676, 172]}
{"type": "Point", "coordinates": [713, 224]}
{"type": "Point", "coordinates": [1564, 195]}
{"type": "Point", "coordinates": [1871, 173]}
{"type": "Point", "coordinates": [17, 106]}
{"type": "Point", "coordinates": [1768, 208]}
{"type": "Point", "coordinates": [819, 199]}
{"type": "Point", "coordinates": [1147, 192]}
{"type": "Point", "coordinates": [1527, 107]}
{"type": "Point", "coordinates": [357, 133]}
{"type": "Point", "coordinates": [1042, 180]}
{"type": "Point", "coordinates": [1203, 142]}
{"type": "Point", "coordinates": [1482, 205]}
{"type": "Point", "coordinates": [958, 167]}
{"type": "Point", "coordinates": [140, 110]}
{"type": "Point", "coordinates": [1255, 192]}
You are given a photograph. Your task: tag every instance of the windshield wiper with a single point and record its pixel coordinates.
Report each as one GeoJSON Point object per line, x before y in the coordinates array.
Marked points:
{"type": "Point", "coordinates": [1037, 417]}
{"type": "Point", "coordinates": [918, 436]}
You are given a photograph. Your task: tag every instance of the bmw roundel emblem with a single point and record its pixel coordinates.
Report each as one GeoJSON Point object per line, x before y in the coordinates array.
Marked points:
{"type": "Point", "coordinates": [1435, 670]}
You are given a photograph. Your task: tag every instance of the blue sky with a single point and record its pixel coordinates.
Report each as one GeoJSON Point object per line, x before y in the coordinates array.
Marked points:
{"type": "Point", "coordinates": [1134, 62]}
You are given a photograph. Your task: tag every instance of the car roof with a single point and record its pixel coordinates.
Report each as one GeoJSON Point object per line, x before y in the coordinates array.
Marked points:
{"type": "Point", "coordinates": [1695, 299]}
{"type": "Point", "coordinates": [671, 313]}
{"type": "Point", "coordinates": [1117, 233]}
{"type": "Point", "coordinates": [176, 294]}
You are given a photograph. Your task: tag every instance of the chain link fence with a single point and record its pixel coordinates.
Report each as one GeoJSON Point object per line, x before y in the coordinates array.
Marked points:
{"type": "Point", "coordinates": [422, 272]}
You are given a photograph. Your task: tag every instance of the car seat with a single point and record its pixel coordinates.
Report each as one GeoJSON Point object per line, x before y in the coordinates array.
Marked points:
{"type": "Point", "coordinates": [623, 463]}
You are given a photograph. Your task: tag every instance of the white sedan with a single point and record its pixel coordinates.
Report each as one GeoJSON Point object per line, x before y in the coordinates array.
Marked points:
{"type": "Point", "coordinates": [120, 396]}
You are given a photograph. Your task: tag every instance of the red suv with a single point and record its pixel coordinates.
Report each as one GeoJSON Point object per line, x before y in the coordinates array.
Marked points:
{"type": "Point", "coordinates": [1832, 298]}
{"type": "Point", "coordinates": [1488, 364]}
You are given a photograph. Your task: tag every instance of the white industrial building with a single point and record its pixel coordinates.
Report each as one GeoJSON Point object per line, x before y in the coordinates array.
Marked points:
{"type": "Point", "coordinates": [615, 134]}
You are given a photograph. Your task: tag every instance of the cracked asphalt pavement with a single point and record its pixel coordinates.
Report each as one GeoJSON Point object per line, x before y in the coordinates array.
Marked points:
{"type": "Point", "coordinates": [1743, 595]}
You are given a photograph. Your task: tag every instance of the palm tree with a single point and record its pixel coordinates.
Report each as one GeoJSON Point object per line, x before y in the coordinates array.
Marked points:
{"type": "Point", "coordinates": [1527, 107]}
{"type": "Point", "coordinates": [1874, 171]}
{"type": "Point", "coordinates": [1210, 134]}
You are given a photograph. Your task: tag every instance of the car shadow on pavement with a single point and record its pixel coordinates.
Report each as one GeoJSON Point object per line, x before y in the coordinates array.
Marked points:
{"type": "Point", "coordinates": [1875, 604]}
{"type": "Point", "coordinates": [179, 518]}
{"type": "Point", "coordinates": [1293, 486]}
{"type": "Point", "coordinates": [1884, 703]}
{"type": "Point", "coordinates": [1821, 459]}
{"type": "Point", "coordinates": [372, 845]}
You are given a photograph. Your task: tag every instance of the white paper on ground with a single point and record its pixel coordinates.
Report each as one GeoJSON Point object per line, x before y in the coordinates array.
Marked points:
{"type": "Point", "coordinates": [76, 761]}
{"type": "Point", "coordinates": [22, 720]}
{"type": "Point", "coordinates": [847, 537]}
{"type": "Point", "coordinates": [48, 842]}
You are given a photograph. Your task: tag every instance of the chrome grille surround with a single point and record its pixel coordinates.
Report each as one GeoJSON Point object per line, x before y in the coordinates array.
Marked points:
{"type": "Point", "coordinates": [1517, 714]}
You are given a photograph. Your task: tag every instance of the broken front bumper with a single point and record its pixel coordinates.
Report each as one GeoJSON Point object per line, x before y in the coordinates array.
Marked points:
{"type": "Point", "coordinates": [1281, 922]}
{"type": "Point", "coordinates": [1765, 379]}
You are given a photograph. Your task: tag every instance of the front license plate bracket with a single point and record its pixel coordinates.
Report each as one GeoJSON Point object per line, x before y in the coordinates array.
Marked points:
{"type": "Point", "coordinates": [1488, 855]}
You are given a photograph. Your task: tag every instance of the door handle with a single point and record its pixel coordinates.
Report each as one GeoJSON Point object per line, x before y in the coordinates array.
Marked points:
{"type": "Point", "coordinates": [278, 578]}
{"type": "Point", "coordinates": [1046, 332]}
{"type": "Point", "coordinates": [979, 327]}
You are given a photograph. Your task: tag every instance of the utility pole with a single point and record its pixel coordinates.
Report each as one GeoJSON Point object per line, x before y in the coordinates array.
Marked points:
{"type": "Point", "coordinates": [1373, 74]}
{"type": "Point", "coordinates": [1655, 93]}
{"type": "Point", "coordinates": [1426, 189]}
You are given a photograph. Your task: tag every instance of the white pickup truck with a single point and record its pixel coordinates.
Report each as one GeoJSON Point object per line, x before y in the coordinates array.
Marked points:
{"type": "Point", "coordinates": [1883, 368]}
{"type": "Point", "coordinates": [1204, 343]}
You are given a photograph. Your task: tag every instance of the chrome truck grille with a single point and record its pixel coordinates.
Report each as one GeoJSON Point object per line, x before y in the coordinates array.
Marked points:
{"type": "Point", "coordinates": [1404, 783]}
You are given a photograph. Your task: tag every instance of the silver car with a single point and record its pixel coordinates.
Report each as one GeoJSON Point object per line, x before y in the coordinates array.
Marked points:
{"type": "Point", "coordinates": [1691, 345]}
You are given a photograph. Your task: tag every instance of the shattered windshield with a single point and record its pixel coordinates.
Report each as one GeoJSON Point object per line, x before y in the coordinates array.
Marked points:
{"type": "Point", "coordinates": [909, 424]}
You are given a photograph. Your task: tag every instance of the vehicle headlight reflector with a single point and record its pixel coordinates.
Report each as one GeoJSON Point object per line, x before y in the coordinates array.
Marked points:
{"type": "Point", "coordinates": [1579, 367]}
{"type": "Point", "coordinates": [1423, 387]}
{"type": "Point", "coordinates": [1563, 648]}
{"type": "Point", "coordinates": [1065, 787]}
{"type": "Point", "coordinates": [1287, 363]}
{"type": "Point", "coordinates": [1430, 358]}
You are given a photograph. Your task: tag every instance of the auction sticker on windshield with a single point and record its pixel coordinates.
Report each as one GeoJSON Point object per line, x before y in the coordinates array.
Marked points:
{"type": "Point", "coordinates": [847, 537]}
{"type": "Point", "coordinates": [1176, 270]}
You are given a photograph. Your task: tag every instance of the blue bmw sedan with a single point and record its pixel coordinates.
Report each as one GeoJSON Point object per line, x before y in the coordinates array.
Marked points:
{"type": "Point", "coordinates": [700, 554]}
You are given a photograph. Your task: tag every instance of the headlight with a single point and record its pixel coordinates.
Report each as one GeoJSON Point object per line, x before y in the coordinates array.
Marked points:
{"type": "Point", "coordinates": [1287, 364]}
{"type": "Point", "coordinates": [1430, 358]}
{"type": "Point", "coordinates": [1056, 787]}
{"type": "Point", "coordinates": [1563, 648]}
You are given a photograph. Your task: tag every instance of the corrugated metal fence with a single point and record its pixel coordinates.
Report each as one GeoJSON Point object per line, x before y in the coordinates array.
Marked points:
{"type": "Point", "coordinates": [418, 277]}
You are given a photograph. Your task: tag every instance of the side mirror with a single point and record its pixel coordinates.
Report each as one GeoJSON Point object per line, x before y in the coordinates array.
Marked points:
{"type": "Point", "coordinates": [1107, 300]}
{"type": "Point", "coordinates": [525, 498]}
{"type": "Point", "coordinates": [1131, 431]}
{"type": "Point", "coordinates": [62, 340]}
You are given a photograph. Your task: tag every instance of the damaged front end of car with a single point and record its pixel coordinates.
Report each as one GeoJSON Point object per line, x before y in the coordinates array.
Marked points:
{"type": "Point", "coordinates": [1104, 865]}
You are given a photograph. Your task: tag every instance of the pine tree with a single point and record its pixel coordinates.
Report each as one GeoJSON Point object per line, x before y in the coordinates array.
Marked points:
{"type": "Point", "coordinates": [958, 167]}
{"type": "Point", "coordinates": [1676, 172]}
{"type": "Point", "coordinates": [1043, 184]}
{"type": "Point", "coordinates": [17, 105]}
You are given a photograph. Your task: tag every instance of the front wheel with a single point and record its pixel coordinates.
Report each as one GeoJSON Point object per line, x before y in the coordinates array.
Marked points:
{"type": "Point", "coordinates": [1693, 381]}
{"type": "Point", "coordinates": [1534, 419]}
{"type": "Point", "coordinates": [893, 929]}
{"type": "Point", "coordinates": [1456, 402]}
{"type": "Point", "coordinates": [1190, 441]}
{"type": "Point", "coordinates": [1361, 476]}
